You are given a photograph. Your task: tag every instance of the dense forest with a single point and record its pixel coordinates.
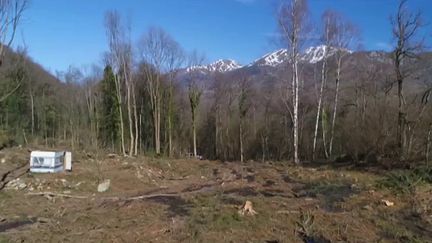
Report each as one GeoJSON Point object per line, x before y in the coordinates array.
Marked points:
{"type": "Point", "coordinates": [152, 97]}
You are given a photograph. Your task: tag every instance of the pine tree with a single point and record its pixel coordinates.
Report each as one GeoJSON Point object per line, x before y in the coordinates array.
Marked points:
{"type": "Point", "coordinates": [110, 117]}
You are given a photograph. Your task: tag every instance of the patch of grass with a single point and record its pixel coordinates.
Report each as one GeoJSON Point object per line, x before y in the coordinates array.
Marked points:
{"type": "Point", "coordinates": [211, 217]}
{"type": "Point", "coordinates": [6, 140]}
{"type": "Point", "coordinates": [305, 225]}
{"type": "Point", "coordinates": [327, 188]}
{"type": "Point", "coordinates": [210, 211]}
{"type": "Point", "coordinates": [398, 233]}
{"type": "Point", "coordinates": [5, 195]}
{"type": "Point", "coordinates": [331, 194]}
{"type": "Point", "coordinates": [3, 239]}
{"type": "Point", "coordinates": [209, 214]}
{"type": "Point", "coordinates": [406, 181]}
{"type": "Point", "coordinates": [307, 230]}
{"type": "Point", "coordinates": [226, 220]}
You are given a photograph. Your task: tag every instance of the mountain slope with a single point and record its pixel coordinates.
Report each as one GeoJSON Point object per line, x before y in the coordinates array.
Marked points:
{"type": "Point", "coordinates": [221, 66]}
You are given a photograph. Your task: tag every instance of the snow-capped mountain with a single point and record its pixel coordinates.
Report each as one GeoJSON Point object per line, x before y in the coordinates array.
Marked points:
{"type": "Point", "coordinates": [316, 54]}
{"type": "Point", "coordinates": [311, 55]}
{"type": "Point", "coordinates": [272, 59]}
{"type": "Point", "coordinates": [221, 66]}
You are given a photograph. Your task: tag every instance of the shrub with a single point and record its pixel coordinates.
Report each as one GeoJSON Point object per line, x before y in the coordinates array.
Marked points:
{"type": "Point", "coordinates": [406, 181]}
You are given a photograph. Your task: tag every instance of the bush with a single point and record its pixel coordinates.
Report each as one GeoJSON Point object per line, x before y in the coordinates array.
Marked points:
{"type": "Point", "coordinates": [5, 140]}
{"type": "Point", "coordinates": [406, 181]}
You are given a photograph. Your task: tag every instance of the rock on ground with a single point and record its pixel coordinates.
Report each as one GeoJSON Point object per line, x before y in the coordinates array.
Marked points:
{"type": "Point", "coordinates": [104, 186]}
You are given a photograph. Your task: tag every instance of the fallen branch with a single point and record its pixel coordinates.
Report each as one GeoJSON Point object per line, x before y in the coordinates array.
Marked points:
{"type": "Point", "coordinates": [52, 194]}
{"type": "Point", "coordinates": [146, 196]}
{"type": "Point", "coordinates": [205, 188]}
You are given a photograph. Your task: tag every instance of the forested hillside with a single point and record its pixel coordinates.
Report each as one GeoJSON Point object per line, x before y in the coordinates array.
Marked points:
{"type": "Point", "coordinates": [137, 137]}
{"type": "Point", "coordinates": [152, 97]}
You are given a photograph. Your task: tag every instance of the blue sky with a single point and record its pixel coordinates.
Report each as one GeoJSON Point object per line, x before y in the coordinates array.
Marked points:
{"type": "Point", "coordinates": [59, 33]}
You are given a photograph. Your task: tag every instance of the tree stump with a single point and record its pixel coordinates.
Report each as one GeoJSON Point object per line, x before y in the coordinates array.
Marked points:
{"type": "Point", "coordinates": [247, 209]}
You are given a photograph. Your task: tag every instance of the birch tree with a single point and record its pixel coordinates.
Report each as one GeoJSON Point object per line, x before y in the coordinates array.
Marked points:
{"type": "Point", "coordinates": [194, 92]}
{"type": "Point", "coordinates": [162, 56]}
{"type": "Point", "coordinates": [174, 62]}
{"type": "Point", "coordinates": [292, 20]}
{"type": "Point", "coordinates": [343, 34]}
{"type": "Point", "coordinates": [325, 39]}
{"type": "Point", "coordinates": [116, 58]}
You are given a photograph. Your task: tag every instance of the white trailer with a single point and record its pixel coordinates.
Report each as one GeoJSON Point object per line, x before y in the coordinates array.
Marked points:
{"type": "Point", "coordinates": [46, 162]}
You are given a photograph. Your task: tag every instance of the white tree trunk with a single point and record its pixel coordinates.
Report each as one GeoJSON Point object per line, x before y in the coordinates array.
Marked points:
{"type": "Point", "coordinates": [157, 127]}
{"type": "Point", "coordinates": [335, 105]}
{"type": "Point", "coordinates": [428, 142]}
{"type": "Point", "coordinates": [170, 121]}
{"type": "Point", "coordinates": [241, 141]}
{"type": "Point", "coordinates": [129, 109]}
{"type": "Point", "coordinates": [32, 113]}
{"type": "Point", "coordinates": [296, 106]}
{"type": "Point", "coordinates": [194, 134]}
{"type": "Point", "coordinates": [119, 98]}
{"type": "Point", "coordinates": [136, 122]}
{"type": "Point", "coordinates": [320, 98]}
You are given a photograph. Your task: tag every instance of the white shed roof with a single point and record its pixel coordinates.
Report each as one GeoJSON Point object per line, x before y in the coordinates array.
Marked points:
{"type": "Point", "coordinates": [46, 154]}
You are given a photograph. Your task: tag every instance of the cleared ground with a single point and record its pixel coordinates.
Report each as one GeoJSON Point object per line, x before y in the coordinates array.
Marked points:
{"type": "Point", "coordinates": [163, 200]}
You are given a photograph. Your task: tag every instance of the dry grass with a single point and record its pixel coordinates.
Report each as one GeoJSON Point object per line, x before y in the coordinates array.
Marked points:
{"type": "Point", "coordinates": [294, 204]}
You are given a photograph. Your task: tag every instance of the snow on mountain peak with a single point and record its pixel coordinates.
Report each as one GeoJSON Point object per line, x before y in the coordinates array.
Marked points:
{"type": "Point", "coordinates": [316, 54]}
{"type": "Point", "coordinates": [311, 55]}
{"type": "Point", "coordinates": [272, 59]}
{"type": "Point", "coordinates": [222, 66]}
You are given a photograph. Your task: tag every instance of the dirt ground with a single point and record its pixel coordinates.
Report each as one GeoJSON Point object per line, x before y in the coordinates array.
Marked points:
{"type": "Point", "coordinates": [164, 200]}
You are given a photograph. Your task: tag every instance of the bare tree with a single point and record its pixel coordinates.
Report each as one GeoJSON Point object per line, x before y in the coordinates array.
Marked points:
{"type": "Point", "coordinates": [5, 96]}
{"type": "Point", "coordinates": [406, 26]}
{"type": "Point", "coordinates": [325, 39]}
{"type": "Point", "coordinates": [428, 142]}
{"type": "Point", "coordinates": [119, 58]}
{"type": "Point", "coordinates": [292, 20]}
{"type": "Point", "coordinates": [218, 91]}
{"type": "Point", "coordinates": [194, 92]}
{"type": "Point", "coordinates": [162, 56]}
{"type": "Point", "coordinates": [90, 87]}
{"type": "Point", "coordinates": [11, 12]}
{"type": "Point", "coordinates": [174, 61]}
{"type": "Point", "coordinates": [342, 35]}
{"type": "Point", "coordinates": [244, 106]}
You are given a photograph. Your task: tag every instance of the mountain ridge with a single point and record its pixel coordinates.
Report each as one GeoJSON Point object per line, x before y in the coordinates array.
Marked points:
{"type": "Point", "coordinates": [311, 55]}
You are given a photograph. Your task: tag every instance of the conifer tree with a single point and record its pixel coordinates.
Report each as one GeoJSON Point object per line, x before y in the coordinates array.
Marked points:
{"type": "Point", "coordinates": [110, 117]}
